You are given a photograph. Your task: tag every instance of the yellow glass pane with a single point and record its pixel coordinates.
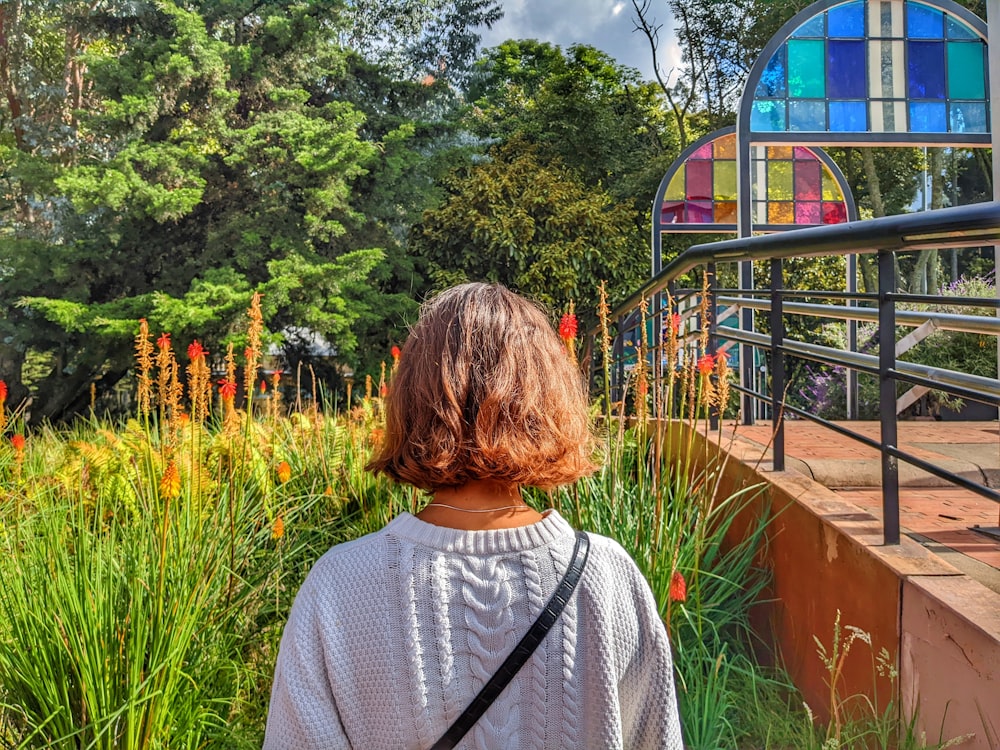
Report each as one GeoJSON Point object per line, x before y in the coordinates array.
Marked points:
{"type": "Point", "coordinates": [725, 212]}
{"type": "Point", "coordinates": [779, 152]}
{"type": "Point", "coordinates": [675, 189]}
{"type": "Point", "coordinates": [831, 190]}
{"type": "Point", "coordinates": [779, 180]}
{"type": "Point", "coordinates": [725, 147]}
{"type": "Point", "coordinates": [780, 212]}
{"type": "Point", "coordinates": [724, 180]}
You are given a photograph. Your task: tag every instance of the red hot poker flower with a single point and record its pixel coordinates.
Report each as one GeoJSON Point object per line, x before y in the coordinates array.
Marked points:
{"type": "Point", "coordinates": [164, 341]}
{"type": "Point", "coordinates": [196, 351]}
{"type": "Point", "coordinates": [18, 442]}
{"type": "Point", "coordinates": [706, 364]}
{"type": "Point", "coordinates": [568, 327]}
{"type": "Point", "coordinates": [227, 389]}
{"type": "Point", "coordinates": [675, 322]}
{"type": "Point", "coordinates": [678, 587]}
{"type": "Point", "coordinates": [395, 352]}
{"type": "Point", "coordinates": [3, 391]}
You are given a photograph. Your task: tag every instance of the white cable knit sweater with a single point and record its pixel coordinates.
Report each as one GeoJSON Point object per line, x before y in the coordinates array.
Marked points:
{"type": "Point", "coordinates": [393, 634]}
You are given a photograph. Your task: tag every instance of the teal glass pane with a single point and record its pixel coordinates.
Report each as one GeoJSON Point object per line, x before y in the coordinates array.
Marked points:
{"type": "Point", "coordinates": [806, 115]}
{"type": "Point", "coordinates": [928, 117]}
{"type": "Point", "coordinates": [767, 116]}
{"type": "Point", "coordinates": [958, 30]}
{"type": "Point", "coordinates": [846, 20]}
{"type": "Point", "coordinates": [967, 117]}
{"type": "Point", "coordinates": [811, 28]}
{"type": "Point", "coordinates": [849, 117]}
{"type": "Point", "coordinates": [847, 75]}
{"type": "Point", "coordinates": [966, 70]}
{"type": "Point", "coordinates": [772, 80]}
{"type": "Point", "coordinates": [806, 69]}
{"type": "Point", "coordinates": [925, 70]}
{"type": "Point", "coordinates": [923, 22]}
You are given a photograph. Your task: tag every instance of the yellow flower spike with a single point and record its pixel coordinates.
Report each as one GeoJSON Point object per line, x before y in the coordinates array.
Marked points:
{"type": "Point", "coordinates": [278, 528]}
{"type": "Point", "coordinates": [170, 483]}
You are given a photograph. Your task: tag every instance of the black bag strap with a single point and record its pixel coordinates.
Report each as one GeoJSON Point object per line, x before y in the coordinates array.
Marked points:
{"type": "Point", "coordinates": [523, 650]}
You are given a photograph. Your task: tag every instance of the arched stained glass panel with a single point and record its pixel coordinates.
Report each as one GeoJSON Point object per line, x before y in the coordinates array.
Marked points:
{"type": "Point", "coordinates": [876, 66]}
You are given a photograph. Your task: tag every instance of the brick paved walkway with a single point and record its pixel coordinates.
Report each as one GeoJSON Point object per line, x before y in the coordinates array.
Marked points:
{"type": "Point", "coordinates": [930, 508]}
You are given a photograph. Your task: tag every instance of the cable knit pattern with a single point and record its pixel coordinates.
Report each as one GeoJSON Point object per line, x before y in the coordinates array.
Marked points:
{"type": "Point", "coordinates": [393, 634]}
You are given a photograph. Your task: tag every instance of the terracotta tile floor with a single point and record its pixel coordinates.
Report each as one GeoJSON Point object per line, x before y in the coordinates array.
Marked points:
{"type": "Point", "coordinates": [943, 514]}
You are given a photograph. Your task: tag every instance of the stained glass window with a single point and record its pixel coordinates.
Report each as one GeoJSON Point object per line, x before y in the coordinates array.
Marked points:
{"type": "Point", "coordinates": [877, 66]}
{"type": "Point", "coordinates": [791, 186]}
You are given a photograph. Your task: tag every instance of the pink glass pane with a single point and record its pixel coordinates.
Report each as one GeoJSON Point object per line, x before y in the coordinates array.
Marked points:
{"type": "Point", "coordinates": [800, 153]}
{"type": "Point", "coordinates": [703, 152]}
{"type": "Point", "coordinates": [672, 212]}
{"type": "Point", "coordinates": [807, 213]}
{"type": "Point", "coordinates": [834, 213]}
{"type": "Point", "coordinates": [808, 181]}
{"type": "Point", "coordinates": [780, 212]}
{"type": "Point", "coordinates": [699, 180]}
{"type": "Point", "coordinates": [725, 212]}
{"type": "Point", "coordinates": [699, 212]}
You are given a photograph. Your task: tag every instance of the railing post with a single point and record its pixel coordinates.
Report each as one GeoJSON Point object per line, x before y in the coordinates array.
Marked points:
{"type": "Point", "coordinates": [777, 365]}
{"type": "Point", "coordinates": [713, 332]}
{"type": "Point", "coordinates": [887, 395]}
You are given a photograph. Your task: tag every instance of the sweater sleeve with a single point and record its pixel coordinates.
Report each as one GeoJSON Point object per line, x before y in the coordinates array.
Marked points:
{"type": "Point", "coordinates": [650, 719]}
{"type": "Point", "coordinates": [303, 713]}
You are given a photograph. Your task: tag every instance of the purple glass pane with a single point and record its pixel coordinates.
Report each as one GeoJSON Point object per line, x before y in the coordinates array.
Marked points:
{"type": "Point", "coordinates": [834, 213]}
{"type": "Point", "coordinates": [925, 70]}
{"type": "Point", "coordinates": [848, 117]}
{"type": "Point", "coordinates": [808, 180]}
{"type": "Point", "coordinates": [699, 180]}
{"type": "Point", "coordinates": [928, 117]}
{"type": "Point", "coordinates": [699, 212]}
{"type": "Point", "coordinates": [702, 152]}
{"type": "Point", "coordinates": [672, 213]}
{"type": "Point", "coordinates": [846, 74]}
{"type": "Point", "coordinates": [808, 213]}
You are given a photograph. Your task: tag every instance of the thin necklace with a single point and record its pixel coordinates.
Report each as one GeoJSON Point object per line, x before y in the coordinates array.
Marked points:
{"type": "Point", "coordinates": [478, 510]}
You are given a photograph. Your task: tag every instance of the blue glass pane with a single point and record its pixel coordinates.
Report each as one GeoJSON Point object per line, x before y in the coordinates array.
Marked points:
{"type": "Point", "coordinates": [846, 20]}
{"type": "Point", "coordinates": [923, 22]}
{"type": "Point", "coordinates": [968, 117]}
{"type": "Point", "coordinates": [958, 30]}
{"type": "Point", "coordinates": [846, 74]}
{"type": "Point", "coordinates": [925, 70]}
{"type": "Point", "coordinates": [811, 28]}
{"type": "Point", "coordinates": [772, 80]}
{"type": "Point", "coordinates": [849, 117]}
{"type": "Point", "coordinates": [928, 117]}
{"type": "Point", "coordinates": [806, 116]}
{"type": "Point", "coordinates": [767, 117]}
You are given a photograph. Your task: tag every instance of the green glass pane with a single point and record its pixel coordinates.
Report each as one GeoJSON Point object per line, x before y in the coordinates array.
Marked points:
{"type": "Point", "coordinates": [806, 70]}
{"type": "Point", "coordinates": [965, 70]}
{"type": "Point", "coordinates": [779, 181]}
{"type": "Point", "coordinates": [675, 189]}
{"type": "Point", "coordinates": [725, 180]}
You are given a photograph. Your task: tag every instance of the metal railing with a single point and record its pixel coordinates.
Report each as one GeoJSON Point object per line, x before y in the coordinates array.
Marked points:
{"type": "Point", "coordinates": [963, 226]}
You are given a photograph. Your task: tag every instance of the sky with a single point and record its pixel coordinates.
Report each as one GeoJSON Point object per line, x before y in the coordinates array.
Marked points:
{"type": "Point", "coordinates": [604, 24]}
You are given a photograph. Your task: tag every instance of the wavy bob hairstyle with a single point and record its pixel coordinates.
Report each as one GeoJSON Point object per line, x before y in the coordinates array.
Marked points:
{"type": "Point", "coordinates": [485, 390]}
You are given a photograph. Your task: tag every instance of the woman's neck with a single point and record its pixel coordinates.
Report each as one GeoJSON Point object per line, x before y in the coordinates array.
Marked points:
{"type": "Point", "coordinates": [479, 505]}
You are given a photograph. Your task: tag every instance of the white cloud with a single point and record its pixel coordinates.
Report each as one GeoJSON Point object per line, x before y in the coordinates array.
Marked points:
{"type": "Point", "coordinates": [619, 7]}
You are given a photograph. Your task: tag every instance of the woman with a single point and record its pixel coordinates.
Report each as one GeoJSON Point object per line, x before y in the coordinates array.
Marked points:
{"type": "Point", "coordinates": [393, 634]}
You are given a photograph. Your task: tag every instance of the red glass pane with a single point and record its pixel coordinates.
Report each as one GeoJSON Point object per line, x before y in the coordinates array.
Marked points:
{"type": "Point", "coordinates": [808, 181]}
{"type": "Point", "coordinates": [807, 213]}
{"type": "Point", "coordinates": [672, 212]}
{"type": "Point", "coordinates": [699, 212]}
{"type": "Point", "coordinates": [699, 180]}
{"type": "Point", "coordinates": [834, 213]}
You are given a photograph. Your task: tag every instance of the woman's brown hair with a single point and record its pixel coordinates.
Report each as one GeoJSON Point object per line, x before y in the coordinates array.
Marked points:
{"type": "Point", "coordinates": [485, 390]}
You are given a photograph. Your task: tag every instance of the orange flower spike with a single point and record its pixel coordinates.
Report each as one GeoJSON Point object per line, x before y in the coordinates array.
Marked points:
{"type": "Point", "coordinates": [227, 389]}
{"type": "Point", "coordinates": [196, 351]}
{"type": "Point", "coordinates": [263, 386]}
{"type": "Point", "coordinates": [568, 326]}
{"type": "Point", "coordinates": [164, 341]}
{"type": "Point", "coordinates": [675, 323]}
{"type": "Point", "coordinates": [284, 472]}
{"type": "Point", "coordinates": [17, 441]}
{"type": "Point", "coordinates": [395, 352]}
{"type": "Point", "coordinates": [678, 587]}
{"type": "Point", "coordinates": [706, 364]}
{"type": "Point", "coordinates": [278, 528]}
{"type": "Point", "coordinates": [3, 391]}
{"type": "Point", "coordinates": [170, 483]}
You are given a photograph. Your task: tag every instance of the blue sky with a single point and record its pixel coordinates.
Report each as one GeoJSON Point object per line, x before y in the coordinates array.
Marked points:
{"type": "Point", "coordinates": [605, 24]}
